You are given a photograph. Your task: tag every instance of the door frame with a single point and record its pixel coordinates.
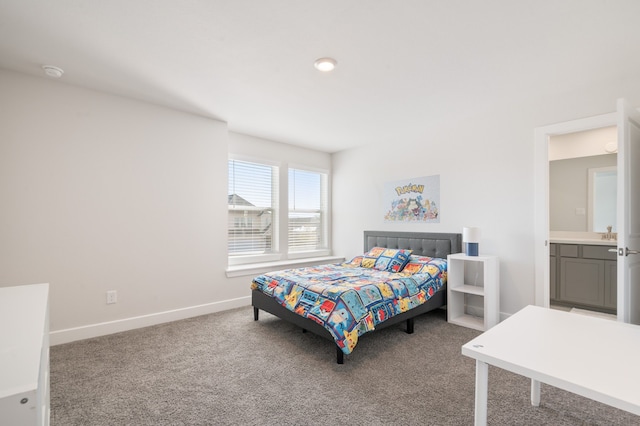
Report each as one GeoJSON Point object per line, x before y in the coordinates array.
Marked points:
{"type": "Point", "coordinates": [628, 235]}
{"type": "Point", "coordinates": [541, 193]}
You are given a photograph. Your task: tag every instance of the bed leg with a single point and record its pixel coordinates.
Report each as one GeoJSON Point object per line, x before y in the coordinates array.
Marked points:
{"type": "Point", "coordinates": [339, 355]}
{"type": "Point", "coordinates": [410, 326]}
{"type": "Point", "coordinates": [255, 313]}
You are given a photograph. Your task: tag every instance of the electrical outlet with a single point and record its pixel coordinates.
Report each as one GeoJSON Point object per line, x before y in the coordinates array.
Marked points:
{"type": "Point", "coordinates": [112, 297]}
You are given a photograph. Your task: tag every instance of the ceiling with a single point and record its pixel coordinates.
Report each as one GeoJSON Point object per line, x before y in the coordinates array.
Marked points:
{"type": "Point", "coordinates": [402, 65]}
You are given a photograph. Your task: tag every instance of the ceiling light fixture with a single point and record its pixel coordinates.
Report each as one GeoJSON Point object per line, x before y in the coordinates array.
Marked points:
{"type": "Point", "coordinates": [325, 64]}
{"type": "Point", "coordinates": [53, 72]}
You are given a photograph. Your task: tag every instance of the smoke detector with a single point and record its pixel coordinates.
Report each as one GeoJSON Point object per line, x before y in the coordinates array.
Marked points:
{"type": "Point", "coordinates": [53, 72]}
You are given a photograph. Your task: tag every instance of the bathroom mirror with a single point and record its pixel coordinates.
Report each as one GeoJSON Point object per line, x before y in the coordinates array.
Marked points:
{"type": "Point", "coordinates": [583, 180]}
{"type": "Point", "coordinates": [582, 194]}
{"type": "Point", "coordinates": [602, 198]}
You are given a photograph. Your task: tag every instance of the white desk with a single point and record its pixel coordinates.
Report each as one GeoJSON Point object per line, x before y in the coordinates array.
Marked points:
{"type": "Point", "coordinates": [592, 357]}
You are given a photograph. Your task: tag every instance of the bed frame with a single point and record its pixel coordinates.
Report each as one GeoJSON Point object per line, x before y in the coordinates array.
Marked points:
{"type": "Point", "coordinates": [422, 243]}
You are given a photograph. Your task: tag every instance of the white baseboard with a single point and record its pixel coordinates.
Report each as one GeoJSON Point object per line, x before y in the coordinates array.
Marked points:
{"type": "Point", "coordinates": [101, 329]}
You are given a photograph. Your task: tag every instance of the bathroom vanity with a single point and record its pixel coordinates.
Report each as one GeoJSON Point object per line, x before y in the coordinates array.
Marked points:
{"type": "Point", "coordinates": [583, 274]}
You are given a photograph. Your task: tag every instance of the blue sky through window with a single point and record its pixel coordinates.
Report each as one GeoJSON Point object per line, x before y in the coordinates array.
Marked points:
{"type": "Point", "coordinates": [253, 182]}
{"type": "Point", "coordinates": [304, 190]}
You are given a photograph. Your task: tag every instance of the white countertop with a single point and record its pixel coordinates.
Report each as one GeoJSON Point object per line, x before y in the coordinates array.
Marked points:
{"type": "Point", "coordinates": [584, 241]}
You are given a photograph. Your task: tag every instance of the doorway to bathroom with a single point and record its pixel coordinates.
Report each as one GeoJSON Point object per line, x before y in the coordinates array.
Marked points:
{"type": "Point", "coordinates": [627, 120]}
{"type": "Point", "coordinates": [582, 221]}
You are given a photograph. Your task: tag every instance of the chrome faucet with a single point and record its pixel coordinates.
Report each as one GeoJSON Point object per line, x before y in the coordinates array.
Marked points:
{"type": "Point", "coordinates": [609, 235]}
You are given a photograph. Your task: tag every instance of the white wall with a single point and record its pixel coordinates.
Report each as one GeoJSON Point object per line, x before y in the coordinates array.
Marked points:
{"type": "Point", "coordinates": [486, 168]}
{"type": "Point", "coordinates": [99, 192]}
{"type": "Point", "coordinates": [261, 149]}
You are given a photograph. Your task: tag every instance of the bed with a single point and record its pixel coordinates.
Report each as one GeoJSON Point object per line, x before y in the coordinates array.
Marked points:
{"type": "Point", "coordinates": [300, 296]}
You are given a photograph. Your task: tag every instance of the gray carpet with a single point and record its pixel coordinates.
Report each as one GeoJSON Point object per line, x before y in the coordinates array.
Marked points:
{"type": "Point", "coordinates": [226, 369]}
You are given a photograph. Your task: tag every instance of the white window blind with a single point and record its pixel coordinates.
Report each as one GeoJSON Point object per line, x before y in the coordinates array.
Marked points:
{"type": "Point", "coordinates": [307, 210]}
{"type": "Point", "coordinates": [252, 202]}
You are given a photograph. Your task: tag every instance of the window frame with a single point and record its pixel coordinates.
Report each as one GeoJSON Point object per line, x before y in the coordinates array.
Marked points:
{"type": "Point", "coordinates": [326, 217]}
{"type": "Point", "coordinates": [274, 255]}
{"type": "Point", "coordinates": [280, 221]}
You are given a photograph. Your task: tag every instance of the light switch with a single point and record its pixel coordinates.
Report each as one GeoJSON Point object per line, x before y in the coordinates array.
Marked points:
{"type": "Point", "coordinates": [580, 211]}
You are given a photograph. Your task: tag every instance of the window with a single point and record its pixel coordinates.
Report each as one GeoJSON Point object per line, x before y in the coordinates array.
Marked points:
{"type": "Point", "coordinates": [307, 210]}
{"type": "Point", "coordinates": [264, 227]}
{"type": "Point", "coordinates": [251, 201]}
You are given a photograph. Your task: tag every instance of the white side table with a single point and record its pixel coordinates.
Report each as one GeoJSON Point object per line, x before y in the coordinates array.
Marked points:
{"type": "Point", "coordinates": [473, 276]}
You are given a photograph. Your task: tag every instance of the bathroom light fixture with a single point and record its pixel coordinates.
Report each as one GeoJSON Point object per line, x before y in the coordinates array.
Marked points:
{"type": "Point", "coordinates": [53, 72]}
{"type": "Point", "coordinates": [325, 64]}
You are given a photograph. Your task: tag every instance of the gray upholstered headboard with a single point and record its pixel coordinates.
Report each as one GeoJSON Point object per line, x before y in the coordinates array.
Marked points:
{"type": "Point", "coordinates": [432, 244]}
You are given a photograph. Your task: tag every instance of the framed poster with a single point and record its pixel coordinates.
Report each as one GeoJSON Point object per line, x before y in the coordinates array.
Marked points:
{"type": "Point", "coordinates": [413, 200]}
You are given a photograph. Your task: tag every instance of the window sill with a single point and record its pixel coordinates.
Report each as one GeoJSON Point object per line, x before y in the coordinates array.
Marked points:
{"type": "Point", "coordinates": [261, 268]}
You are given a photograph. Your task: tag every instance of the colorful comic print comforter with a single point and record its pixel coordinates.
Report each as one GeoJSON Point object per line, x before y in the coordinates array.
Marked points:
{"type": "Point", "coordinates": [349, 301]}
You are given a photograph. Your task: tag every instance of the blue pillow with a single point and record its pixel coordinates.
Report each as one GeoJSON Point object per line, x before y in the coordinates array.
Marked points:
{"type": "Point", "coordinates": [384, 259]}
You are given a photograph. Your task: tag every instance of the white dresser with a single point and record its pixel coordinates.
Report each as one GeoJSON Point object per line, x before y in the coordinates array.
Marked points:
{"type": "Point", "coordinates": [24, 355]}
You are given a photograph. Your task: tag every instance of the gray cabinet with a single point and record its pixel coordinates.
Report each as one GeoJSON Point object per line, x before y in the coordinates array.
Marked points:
{"type": "Point", "coordinates": [611, 284]}
{"type": "Point", "coordinates": [553, 271]}
{"type": "Point", "coordinates": [582, 281]}
{"type": "Point", "coordinates": [584, 276]}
